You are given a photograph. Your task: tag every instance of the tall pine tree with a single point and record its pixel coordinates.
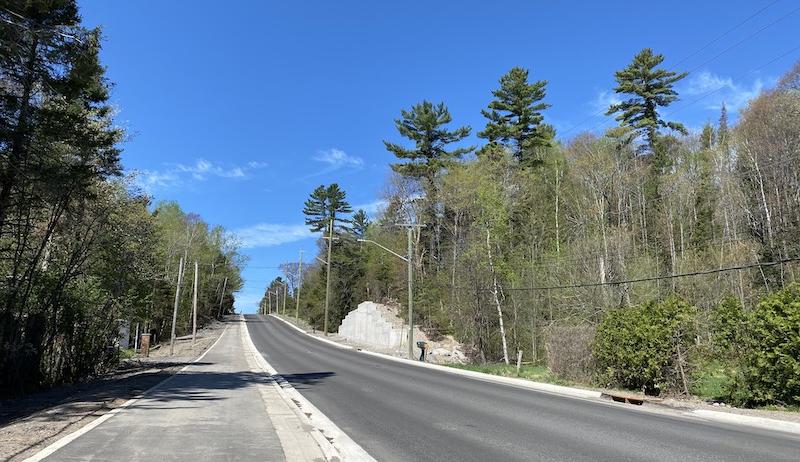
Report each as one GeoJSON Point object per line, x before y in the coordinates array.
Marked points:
{"type": "Point", "coordinates": [515, 116]}
{"type": "Point", "coordinates": [326, 204]}
{"type": "Point", "coordinates": [648, 89]}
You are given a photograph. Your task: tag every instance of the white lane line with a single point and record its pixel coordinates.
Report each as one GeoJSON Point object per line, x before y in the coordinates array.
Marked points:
{"type": "Point", "coordinates": [330, 342]}
{"type": "Point", "coordinates": [328, 435]}
{"type": "Point", "coordinates": [95, 423]}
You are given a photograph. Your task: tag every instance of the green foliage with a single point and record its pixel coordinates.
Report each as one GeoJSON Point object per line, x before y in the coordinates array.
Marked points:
{"type": "Point", "coordinates": [515, 118]}
{"type": "Point", "coordinates": [648, 88]}
{"type": "Point", "coordinates": [638, 347]}
{"type": "Point", "coordinates": [770, 368]}
{"type": "Point", "coordinates": [326, 204]}
{"type": "Point", "coordinates": [728, 327]}
{"type": "Point", "coordinates": [425, 125]}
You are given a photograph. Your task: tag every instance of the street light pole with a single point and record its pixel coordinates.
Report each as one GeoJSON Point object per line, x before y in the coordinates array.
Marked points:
{"type": "Point", "coordinates": [410, 298]}
{"type": "Point", "coordinates": [409, 259]}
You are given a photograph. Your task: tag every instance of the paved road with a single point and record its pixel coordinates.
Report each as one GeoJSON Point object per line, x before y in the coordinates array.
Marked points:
{"type": "Point", "coordinates": [213, 411]}
{"type": "Point", "coordinates": [401, 412]}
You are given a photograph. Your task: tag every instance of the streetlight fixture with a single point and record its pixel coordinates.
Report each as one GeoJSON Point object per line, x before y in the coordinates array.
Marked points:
{"type": "Point", "coordinates": [408, 259]}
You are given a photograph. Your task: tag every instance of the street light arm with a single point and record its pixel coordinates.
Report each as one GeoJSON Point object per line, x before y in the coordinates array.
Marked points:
{"type": "Point", "coordinates": [405, 259]}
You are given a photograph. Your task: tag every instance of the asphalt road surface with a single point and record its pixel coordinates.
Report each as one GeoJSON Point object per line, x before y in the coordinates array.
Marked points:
{"type": "Point", "coordinates": [402, 412]}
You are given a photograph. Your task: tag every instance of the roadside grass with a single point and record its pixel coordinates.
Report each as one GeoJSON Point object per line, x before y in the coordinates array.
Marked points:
{"type": "Point", "coordinates": [532, 372]}
{"type": "Point", "coordinates": [712, 381]}
{"type": "Point", "coordinates": [126, 353]}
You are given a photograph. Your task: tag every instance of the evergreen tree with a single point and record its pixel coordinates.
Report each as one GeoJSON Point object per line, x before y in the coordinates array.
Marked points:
{"type": "Point", "coordinates": [360, 223]}
{"type": "Point", "coordinates": [648, 89]}
{"type": "Point", "coordinates": [324, 204]}
{"type": "Point", "coordinates": [515, 118]}
{"type": "Point", "coordinates": [722, 130]}
{"type": "Point", "coordinates": [425, 125]}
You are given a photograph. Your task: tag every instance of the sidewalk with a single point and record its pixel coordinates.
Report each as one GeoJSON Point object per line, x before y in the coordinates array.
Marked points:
{"type": "Point", "coordinates": [217, 408]}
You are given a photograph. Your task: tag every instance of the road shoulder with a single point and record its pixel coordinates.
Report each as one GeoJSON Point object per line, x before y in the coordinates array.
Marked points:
{"type": "Point", "coordinates": [334, 443]}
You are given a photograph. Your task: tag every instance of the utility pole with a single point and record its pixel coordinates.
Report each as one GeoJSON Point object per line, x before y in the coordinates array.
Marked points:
{"type": "Point", "coordinates": [269, 301]}
{"type": "Point", "coordinates": [285, 289]}
{"type": "Point", "coordinates": [297, 300]}
{"type": "Point", "coordinates": [328, 279]}
{"type": "Point", "coordinates": [194, 305]}
{"type": "Point", "coordinates": [175, 308]}
{"type": "Point", "coordinates": [222, 296]}
{"type": "Point", "coordinates": [409, 259]}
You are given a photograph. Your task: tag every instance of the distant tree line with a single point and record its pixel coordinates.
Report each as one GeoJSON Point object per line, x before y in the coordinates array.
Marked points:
{"type": "Point", "coordinates": [528, 238]}
{"type": "Point", "coordinates": [80, 248]}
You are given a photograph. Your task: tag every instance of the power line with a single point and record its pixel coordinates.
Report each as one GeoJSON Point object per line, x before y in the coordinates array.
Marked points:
{"type": "Point", "coordinates": [717, 38]}
{"type": "Point", "coordinates": [644, 279]}
{"type": "Point", "coordinates": [582, 122]}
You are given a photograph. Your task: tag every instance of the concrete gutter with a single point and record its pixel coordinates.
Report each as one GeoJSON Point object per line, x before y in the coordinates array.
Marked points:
{"type": "Point", "coordinates": [334, 443]}
{"type": "Point", "coordinates": [714, 416]}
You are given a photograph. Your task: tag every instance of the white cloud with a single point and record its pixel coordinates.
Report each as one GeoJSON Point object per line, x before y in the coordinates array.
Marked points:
{"type": "Point", "coordinates": [337, 159]}
{"type": "Point", "coordinates": [150, 180]}
{"type": "Point", "coordinates": [719, 89]}
{"type": "Point", "coordinates": [603, 100]}
{"type": "Point", "coordinates": [372, 208]}
{"type": "Point", "coordinates": [270, 234]}
{"type": "Point", "coordinates": [201, 170]}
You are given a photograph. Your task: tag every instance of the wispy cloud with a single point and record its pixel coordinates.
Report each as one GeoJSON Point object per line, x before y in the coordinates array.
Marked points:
{"type": "Point", "coordinates": [271, 234]}
{"type": "Point", "coordinates": [372, 208]}
{"type": "Point", "coordinates": [150, 180]}
{"type": "Point", "coordinates": [202, 169]}
{"type": "Point", "coordinates": [337, 159]}
{"type": "Point", "coordinates": [719, 89]}
{"type": "Point", "coordinates": [334, 160]}
{"type": "Point", "coordinates": [603, 100]}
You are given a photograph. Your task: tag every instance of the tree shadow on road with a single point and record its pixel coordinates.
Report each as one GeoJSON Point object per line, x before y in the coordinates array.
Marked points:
{"type": "Point", "coordinates": [203, 386]}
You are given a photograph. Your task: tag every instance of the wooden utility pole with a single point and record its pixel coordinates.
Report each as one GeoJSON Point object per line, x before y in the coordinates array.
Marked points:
{"type": "Point", "coordinates": [297, 299]}
{"type": "Point", "coordinates": [328, 279]}
{"type": "Point", "coordinates": [285, 289]}
{"type": "Point", "coordinates": [222, 296]}
{"type": "Point", "coordinates": [175, 307]}
{"type": "Point", "coordinates": [194, 304]}
{"type": "Point", "coordinates": [409, 260]}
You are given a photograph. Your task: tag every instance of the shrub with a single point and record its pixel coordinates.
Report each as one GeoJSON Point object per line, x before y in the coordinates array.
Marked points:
{"type": "Point", "coordinates": [569, 352]}
{"type": "Point", "coordinates": [728, 325]}
{"type": "Point", "coordinates": [646, 347]}
{"type": "Point", "coordinates": [770, 371]}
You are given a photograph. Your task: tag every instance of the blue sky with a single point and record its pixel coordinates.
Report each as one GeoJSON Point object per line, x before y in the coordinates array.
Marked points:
{"type": "Point", "coordinates": [237, 110]}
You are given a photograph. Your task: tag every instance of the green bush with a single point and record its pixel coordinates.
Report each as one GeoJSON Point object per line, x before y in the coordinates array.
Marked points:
{"type": "Point", "coordinates": [770, 371]}
{"type": "Point", "coordinates": [638, 347]}
{"type": "Point", "coordinates": [728, 327]}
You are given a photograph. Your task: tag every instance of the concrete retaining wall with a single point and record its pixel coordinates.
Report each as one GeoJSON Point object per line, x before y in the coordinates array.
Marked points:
{"type": "Point", "coordinates": [375, 324]}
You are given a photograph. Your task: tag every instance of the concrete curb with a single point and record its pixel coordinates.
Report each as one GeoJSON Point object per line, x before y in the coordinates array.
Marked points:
{"type": "Point", "coordinates": [750, 421]}
{"type": "Point", "coordinates": [715, 416]}
{"type": "Point", "coordinates": [60, 443]}
{"type": "Point", "coordinates": [334, 443]}
{"type": "Point", "coordinates": [539, 386]}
